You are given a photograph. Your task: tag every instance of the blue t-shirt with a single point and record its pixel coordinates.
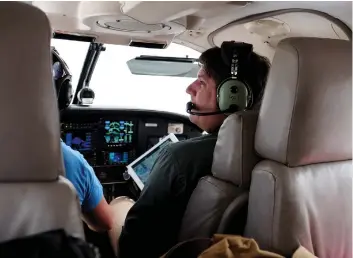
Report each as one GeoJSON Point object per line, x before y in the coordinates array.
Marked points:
{"type": "Point", "coordinates": [82, 176]}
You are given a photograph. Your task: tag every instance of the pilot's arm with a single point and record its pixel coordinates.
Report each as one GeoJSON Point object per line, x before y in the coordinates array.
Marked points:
{"type": "Point", "coordinates": [146, 232]}
{"type": "Point", "coordinates": [95, 210]}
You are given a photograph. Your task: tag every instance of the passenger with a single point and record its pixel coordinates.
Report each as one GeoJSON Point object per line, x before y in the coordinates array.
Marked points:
{"type": "Point", "coordinates": [152, 224]}
{"type": "Point", "coordinates": [95, 210]}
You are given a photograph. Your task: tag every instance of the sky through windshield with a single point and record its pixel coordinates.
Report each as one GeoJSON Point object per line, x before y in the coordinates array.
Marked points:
{"type": "Point", "coordinates": [114, 85]}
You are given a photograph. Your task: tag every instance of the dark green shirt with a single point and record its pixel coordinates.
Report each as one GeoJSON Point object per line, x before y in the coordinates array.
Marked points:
{"type": "Point", "coordinates": [152, 225]}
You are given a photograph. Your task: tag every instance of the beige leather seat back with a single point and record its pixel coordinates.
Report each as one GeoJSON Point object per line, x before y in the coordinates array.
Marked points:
{"type": "Point", "coordinates": [219, 202]}
{"type": "Point", "coordinates": [33, 197]}
{"type": "Point", "coordinates": [302, 192]}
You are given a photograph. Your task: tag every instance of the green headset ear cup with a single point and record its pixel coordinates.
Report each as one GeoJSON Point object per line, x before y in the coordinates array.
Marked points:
{"type": "Point", "coordinates": [233, 94]}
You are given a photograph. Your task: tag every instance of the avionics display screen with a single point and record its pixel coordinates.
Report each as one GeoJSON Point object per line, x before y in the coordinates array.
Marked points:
{"type": "Point", "coordinates": [118, 132]}
{"type": "Point", "coordinates": [78, 140]}
{"type": "Point", "coordinates": [118, 158]}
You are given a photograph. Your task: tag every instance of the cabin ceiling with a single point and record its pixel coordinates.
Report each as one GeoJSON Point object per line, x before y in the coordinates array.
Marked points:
{"type": "Point", "coordinates": [198, 24]}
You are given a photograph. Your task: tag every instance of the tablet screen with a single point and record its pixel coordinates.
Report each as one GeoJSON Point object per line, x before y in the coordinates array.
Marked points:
{"type": "Point", "coordinates": [141, 168]}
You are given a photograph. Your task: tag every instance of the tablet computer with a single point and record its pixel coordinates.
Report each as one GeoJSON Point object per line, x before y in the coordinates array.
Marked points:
{"type": "Point", "coordinates": [140, 168]}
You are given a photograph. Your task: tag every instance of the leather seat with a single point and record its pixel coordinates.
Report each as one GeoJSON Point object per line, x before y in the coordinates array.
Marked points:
{"type": "Point", "coordinates": [34, 196]}
{"type": "Point", "coordinates": [219, 202]}
{"type": "Point", "coordinates": [301, 193]}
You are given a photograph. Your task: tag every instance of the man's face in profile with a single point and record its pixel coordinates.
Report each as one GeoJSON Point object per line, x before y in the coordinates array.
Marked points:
{"type": "Point", "coordinates": [203, 93]}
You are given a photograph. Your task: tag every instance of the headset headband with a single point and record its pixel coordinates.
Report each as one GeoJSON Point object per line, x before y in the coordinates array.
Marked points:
{"type": "Point", "coordinates": [234, 53]}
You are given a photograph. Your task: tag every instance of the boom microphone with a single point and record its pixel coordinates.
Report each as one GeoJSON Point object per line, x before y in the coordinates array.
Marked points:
{"type": "Point", "coordinates": [190, 106]}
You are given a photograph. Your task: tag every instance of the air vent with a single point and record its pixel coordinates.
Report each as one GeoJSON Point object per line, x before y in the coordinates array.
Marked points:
{"type": "Point", "coordinates": [130, 25]}
{"type": "Point", "coordinates": [145, 44]}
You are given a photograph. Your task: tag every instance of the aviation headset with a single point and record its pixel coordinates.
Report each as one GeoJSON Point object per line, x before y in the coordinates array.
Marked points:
{"type": "Point", "coordinates": [233, 93]}
{"type": "Point", "coordinates": [62, 79]}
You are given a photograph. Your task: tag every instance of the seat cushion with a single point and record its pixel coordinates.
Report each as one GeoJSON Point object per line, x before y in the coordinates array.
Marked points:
{"type": "Point", "coordinates": [310, 205]}
{"type": "Point", "coordinates": [234, 155]}
{"type": "Point", "coordinates": [203, 220]}
{"type": "Point", "coordinates": [31, 208]}
{"type": "Point", "coordinates": [306, 113]}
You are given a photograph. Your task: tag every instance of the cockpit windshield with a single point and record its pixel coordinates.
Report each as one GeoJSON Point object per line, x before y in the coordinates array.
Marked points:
{"type": "Point", "coordinates": [115, 85]}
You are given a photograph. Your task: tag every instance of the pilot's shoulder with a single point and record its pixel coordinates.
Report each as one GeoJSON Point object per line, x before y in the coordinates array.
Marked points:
{"type": "Point", "coordinates": [193, 146]}
{"type": "Point", "coordinates": [196, 142]}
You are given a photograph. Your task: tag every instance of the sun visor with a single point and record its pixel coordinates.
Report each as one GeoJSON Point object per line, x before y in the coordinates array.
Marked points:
{"type": "Point", "coordinates": [164, 66]}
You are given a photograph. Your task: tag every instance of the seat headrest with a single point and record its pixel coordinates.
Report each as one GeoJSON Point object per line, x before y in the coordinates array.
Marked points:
{"type": "Point", "coordinates": [234, 156]}
{"type": "Point", "coordinates": [306, 113]}
{"type": "Point", "coordinates": [29, 133]}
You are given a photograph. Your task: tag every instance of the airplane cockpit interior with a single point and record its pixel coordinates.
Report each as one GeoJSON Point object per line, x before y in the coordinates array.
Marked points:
{"type": "Point", "coordinates": [111, 80]}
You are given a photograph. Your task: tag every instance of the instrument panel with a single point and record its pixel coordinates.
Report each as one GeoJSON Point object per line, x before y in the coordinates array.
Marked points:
{"type": "Point", "coordinates": [111, 139]}
{"type": "Point", "coordinates": [105, 142]}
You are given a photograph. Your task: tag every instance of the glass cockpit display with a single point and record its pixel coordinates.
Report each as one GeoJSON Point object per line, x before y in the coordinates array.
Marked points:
{"type": "Point", "coordinates": [118, 158]}
{"type": "Point", "coordinates": [79, 140]}
{"type": "Point", "coordinates": [117, 133]}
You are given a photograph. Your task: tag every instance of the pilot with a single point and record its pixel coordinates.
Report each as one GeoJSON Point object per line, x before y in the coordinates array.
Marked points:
{"type": "Point", "coordinates": [95, 210]}
{"type": "Point", "coordinates": [152, 225]}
